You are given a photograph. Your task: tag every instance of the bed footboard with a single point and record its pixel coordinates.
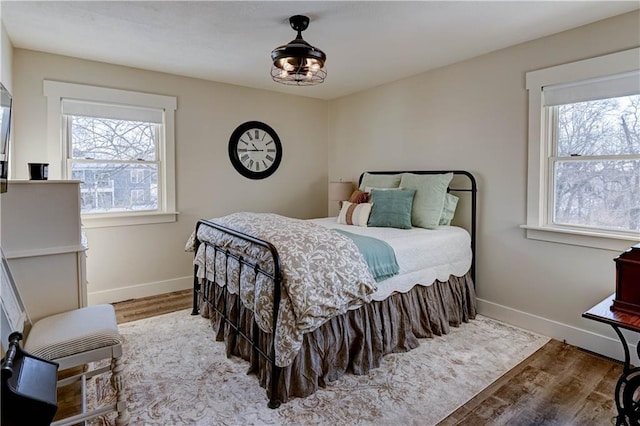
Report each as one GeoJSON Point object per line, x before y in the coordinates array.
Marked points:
{"type": "Point", "coordinates": [205, 291]}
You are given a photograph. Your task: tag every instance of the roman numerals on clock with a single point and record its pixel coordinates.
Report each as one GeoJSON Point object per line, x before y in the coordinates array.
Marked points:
{"type": "Point", "coordinates": [255, 150]}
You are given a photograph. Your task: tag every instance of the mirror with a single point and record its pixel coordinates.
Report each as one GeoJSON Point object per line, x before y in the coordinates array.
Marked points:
{"type": "Point", "coordinates": [5, 127]}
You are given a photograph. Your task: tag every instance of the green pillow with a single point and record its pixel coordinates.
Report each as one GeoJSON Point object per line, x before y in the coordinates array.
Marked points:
{"type": "Point", "coordinates": [431, 191]}
{"type": "Point", "coordinates": [380, 181]}
{"type": "Point", "coordinates": [391, 209]}
{"type": "Point", "coordinates": [449, 209]}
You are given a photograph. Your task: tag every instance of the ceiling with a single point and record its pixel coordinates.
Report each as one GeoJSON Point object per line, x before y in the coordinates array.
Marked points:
{"type": "Point", "coordinates": [367, 43]}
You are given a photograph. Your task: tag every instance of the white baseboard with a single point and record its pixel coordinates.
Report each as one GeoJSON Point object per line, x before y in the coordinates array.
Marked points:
{"type": "Point", "coordinates": [139, 290]}
{"type": "Point", "coordinates": [585, 339]}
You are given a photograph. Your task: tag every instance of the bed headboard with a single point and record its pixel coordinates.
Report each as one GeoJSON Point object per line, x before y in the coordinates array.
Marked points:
{"type": "Point", "coordinates": [463, 182]}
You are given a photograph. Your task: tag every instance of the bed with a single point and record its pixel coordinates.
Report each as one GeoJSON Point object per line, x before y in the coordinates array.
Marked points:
{"type": "Point", "coordinates": [304, 303]}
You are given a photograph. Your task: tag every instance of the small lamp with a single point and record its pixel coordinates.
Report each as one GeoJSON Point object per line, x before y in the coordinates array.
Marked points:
{"type": "Point", "coordinates": [338, 191]}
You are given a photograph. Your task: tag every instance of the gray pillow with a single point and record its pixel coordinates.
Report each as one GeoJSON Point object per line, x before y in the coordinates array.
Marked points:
{"type": "Point", "coordinates": [431, 191]}
{"type": "Point", "coordinates": [391, 209]}
{"type": "Point", "coordinates": [448, 210]}
{"type": "Point", "coordinates": [380, 181]}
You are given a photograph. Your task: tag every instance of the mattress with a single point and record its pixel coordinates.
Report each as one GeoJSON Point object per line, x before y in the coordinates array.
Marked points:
{"type": "Point", "coordinates": [423, 255]}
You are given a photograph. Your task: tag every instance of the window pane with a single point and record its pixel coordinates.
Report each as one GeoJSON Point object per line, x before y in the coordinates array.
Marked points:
{"type": "Point", "coordinates": [597, 193]}
{"type": "Point", "coordinates": [109, 139]}
{"type": "Point", "coordinates": [603, 127]}
{"type": "Point", "coordinates": [109, 188]}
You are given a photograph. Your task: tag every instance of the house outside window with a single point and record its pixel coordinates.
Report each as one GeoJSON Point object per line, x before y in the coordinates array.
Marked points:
{"type": "Point", "coordinates": [78, 175]}
{"type": "Point", "coordinates": [114, 155]}
{"type": "Point", "coordinates": [120, 144]}
{"type": "Point", "coordinates": [137, 196]}
{"type": "Point", "coordinates": [584, 152]}
{"type": "Point", "coordinates": [137, 175]}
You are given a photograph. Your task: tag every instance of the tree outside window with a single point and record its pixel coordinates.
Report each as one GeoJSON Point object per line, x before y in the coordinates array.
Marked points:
{"type": "Point", "coordinates": [596, 164]}
{"type": "Point", "coordinates": [115, 157]}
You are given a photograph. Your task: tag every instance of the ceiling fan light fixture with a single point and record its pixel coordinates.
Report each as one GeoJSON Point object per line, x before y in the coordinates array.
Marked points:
{"type": "Point", "coordinates": [298, 63]}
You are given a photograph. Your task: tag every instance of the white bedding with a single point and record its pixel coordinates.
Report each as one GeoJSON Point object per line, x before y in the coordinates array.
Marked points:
{"type": "Point", "coordinates": [423, 255]}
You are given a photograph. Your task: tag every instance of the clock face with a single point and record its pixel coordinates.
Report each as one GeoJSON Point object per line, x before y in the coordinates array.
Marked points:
{"type": "Point", "coordinates": [255, 150]}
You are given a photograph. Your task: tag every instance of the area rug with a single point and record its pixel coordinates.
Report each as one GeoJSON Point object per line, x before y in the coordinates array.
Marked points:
{"type": "Point", "coordinates": [177, 374]}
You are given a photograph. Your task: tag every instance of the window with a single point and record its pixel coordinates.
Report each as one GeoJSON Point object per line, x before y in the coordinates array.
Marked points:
{"type": "Point", "coordinates": [137, 176]}
{"type": "Point", "coordinates": [595, 164]}
{"type": "Point", "coordinates": [116, 151]}
{"type": "Point", "coordinates": [137, 197]}
{"type": "Point", "coordinates": [121, 146]}
{"type": "Point", "coordinates": [584, 152]}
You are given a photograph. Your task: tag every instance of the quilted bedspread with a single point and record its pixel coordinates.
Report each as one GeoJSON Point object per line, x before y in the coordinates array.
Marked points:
{"type": "Point", "coordinates": [324, 273]}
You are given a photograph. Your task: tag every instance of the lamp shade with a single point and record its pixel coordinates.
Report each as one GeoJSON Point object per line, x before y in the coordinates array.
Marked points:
{"type": "Point", "coordinates": [340, 191]}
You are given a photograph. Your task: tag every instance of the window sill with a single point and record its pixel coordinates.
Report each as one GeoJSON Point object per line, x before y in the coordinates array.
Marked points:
{"type": "Point", "coordinates": [126, 219]}
{"type": "Point", "coordinates": [582, 238]}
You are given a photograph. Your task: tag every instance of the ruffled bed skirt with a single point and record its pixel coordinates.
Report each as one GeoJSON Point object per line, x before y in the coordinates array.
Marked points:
{"type": "Point", "coordinates": [354, 342]}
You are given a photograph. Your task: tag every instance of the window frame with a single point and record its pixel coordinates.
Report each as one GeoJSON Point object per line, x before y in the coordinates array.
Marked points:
{"type": "Point", "coordinates": [539, 224]}
{"type": "Point", "coordinates": [56, 91]}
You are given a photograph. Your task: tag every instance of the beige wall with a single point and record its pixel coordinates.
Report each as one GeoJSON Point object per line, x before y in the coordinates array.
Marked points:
{"type": "Point", "coordinates": [6, 75]}
{"type": "Point", "coordinates": [473, 115]}
{"type": "Point", "coordinates": [134, 261]}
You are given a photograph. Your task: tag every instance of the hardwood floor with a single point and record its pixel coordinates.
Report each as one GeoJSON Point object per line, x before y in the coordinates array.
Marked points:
{"type": "Point", "coordinates": [558, 385]}
{"type": "Point", "coordinates": [132, 310]}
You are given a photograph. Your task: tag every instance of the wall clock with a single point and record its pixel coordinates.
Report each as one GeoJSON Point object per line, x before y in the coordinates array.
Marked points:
{"type": "Point", "coordinates": [255, 150]}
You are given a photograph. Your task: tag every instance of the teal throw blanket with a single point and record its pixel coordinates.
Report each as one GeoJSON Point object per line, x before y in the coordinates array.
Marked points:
{"type": "Point", "coordinates": [379, 255]}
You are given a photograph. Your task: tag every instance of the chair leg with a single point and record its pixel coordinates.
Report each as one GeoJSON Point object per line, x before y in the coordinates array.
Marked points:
{"type": "Point", "coordinates": [118, 383]}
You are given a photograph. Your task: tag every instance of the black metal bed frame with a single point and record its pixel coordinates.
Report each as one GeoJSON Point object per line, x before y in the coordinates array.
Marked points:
{"type": "Point", "coordinates": [209, 287]}
{"type": "Point", "coordinates": [203, 290]}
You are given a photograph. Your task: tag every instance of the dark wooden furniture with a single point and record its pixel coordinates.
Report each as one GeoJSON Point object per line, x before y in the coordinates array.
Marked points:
{"type": "Point", "coordinates": [28, 387]}
{"type": "Point", "coordinates": [628, 281]}
{"type": "Point", "coordinates": [626, 397]}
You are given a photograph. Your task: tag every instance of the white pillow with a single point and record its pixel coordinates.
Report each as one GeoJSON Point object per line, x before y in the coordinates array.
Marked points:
{"type": "Point", "coordinates": [369, 188]}
{"type": "Point", "coordinates": [354, 214]}
{"type": "Point", "coordinates": [380, 181]}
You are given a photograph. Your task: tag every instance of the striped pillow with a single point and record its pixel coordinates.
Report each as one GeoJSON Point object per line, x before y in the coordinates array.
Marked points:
{"type": "Point", "coordinates": [354, 214]}
{"type": "Point", "coordinates": [357, 197]}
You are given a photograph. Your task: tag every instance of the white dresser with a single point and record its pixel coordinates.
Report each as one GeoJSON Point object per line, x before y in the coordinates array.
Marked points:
{"type": "Point", "coordinates": [42, 239]}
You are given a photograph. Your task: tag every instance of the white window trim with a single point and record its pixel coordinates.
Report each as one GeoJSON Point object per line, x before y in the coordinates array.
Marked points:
{"type": "Point", "coordinates": [55, 91]}
{"type": "Point", "coordinates": [537, 226]}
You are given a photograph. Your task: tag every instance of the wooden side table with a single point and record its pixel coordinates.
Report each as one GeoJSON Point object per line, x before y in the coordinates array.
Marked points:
{"type": "Point", "coordinates": [628, 386]}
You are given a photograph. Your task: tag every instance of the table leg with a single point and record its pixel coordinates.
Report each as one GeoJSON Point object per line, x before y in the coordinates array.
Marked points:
{"type": "Point", "coordinates": [627, 388]}
{"type": "Point", "coordinates": [625, 346]}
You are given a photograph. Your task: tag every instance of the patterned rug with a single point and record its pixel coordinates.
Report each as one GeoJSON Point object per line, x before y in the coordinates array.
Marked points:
{"type": "Point", "coordinates": [177, 374]}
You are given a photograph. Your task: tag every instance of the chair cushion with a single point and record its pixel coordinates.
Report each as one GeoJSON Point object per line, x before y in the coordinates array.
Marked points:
{"type": "Point", "coordinates": [73, 332]}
